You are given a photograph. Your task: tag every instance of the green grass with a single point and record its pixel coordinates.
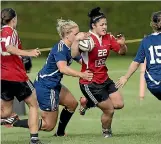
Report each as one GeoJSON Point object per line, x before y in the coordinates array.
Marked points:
{"type": "Point", "coordinates": [138, 123]}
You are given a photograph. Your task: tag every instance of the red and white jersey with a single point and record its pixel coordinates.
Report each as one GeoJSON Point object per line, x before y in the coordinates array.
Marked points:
{"type": "Point", "coordinates": [95, 59]}
{"type": "Point", "coordinates": [12, 68]}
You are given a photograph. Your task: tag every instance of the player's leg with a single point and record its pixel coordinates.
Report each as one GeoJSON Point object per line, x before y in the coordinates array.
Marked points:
{"type": "Point", "coordinates": [114, 95]}
{"type": "Point", "coordinates": [97, 95]}
{"type": "Point", "coordinates": [106, 118]}
{"type": "Point", "coordinates": [7, 92]}
{"type": "Point", "coordinates": [117, 100]}
{"type": "Point", "coordinates": [142, 81]}
{"type": "Point", "coordinates": [48, 100]}
{"type": "Point", "coordinates": [70, 104]}
{"type": "Point", "coordinates": [27, 93]}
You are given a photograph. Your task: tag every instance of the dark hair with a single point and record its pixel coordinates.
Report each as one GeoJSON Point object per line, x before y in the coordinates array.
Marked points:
{"type": "Point", "coordinates": [95, 15]}
{"type": "Point", "coordinates": [156, 21]}
{"type": "Point", "coordinates": [7, 15]}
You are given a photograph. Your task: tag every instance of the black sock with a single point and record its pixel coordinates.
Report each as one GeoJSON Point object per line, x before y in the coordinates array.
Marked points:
{"type": "Point", "coordinates": [21, 123]}
{"type": "Point", "coordinates": [24, 123]}
{"type": "Point", "coordinates": [40, 124]}
{"type": "Point", "coordinates": [64, 119]}
{"type": "Point", "coordinates": [34, 137]}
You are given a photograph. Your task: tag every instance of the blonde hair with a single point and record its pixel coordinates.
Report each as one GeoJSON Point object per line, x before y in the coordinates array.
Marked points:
{"type": "Point", "coordinates": [64, 27]}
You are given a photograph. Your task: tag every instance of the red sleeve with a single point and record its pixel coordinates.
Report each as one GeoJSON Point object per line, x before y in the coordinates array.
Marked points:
{"type": "Point", "coordinates": [114, 45]}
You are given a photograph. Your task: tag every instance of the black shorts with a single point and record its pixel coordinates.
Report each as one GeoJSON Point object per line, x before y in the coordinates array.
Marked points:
{"type": "Point", "coordinates": [20, 90]}
{"type": "Point", "coordinates": [96, 93]}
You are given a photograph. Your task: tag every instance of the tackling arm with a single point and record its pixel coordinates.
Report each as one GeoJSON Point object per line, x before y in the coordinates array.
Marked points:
{"type": "Point", "coordinates": [75, 49]}
{"type": "Point", "coordinates": [62, 65]}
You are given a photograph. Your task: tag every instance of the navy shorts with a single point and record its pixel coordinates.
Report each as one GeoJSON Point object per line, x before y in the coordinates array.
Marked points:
{"type": "Point", "coordinates": [156, 91]}
{"type": "Point", "coordinates": [48, 98]}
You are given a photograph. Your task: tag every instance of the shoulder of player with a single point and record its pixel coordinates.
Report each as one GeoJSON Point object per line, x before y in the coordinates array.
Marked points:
{"type": "Point", "coordinates": [59, 47]}
{"type": "Point", "coordinates": [7, 31]}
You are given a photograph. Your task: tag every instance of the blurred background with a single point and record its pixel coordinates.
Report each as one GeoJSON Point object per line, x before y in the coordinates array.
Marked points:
{"type": "Point", "coordinates": [37, 20]}
{"type": "Point", "coordinates": [139, 121]}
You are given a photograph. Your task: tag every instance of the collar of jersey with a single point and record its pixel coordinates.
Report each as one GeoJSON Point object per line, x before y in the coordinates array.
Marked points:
{"type": "Point", "coordinates": [156, 33]}
{"type": "Point", "coordinates": [99, 38]}
{"type": "Point", "coordinates": [7, 26]}
{"type": "Point", "coordinates": [65, 44]}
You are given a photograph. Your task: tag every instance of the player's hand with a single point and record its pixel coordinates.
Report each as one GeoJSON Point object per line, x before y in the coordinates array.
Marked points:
{"type": "Point", "coordinates": [121, 82]}
{"type": "Point", "coordinates": [34, 53]}
{"type": "Point", "coordinates": [88, 75]}
{"type": "Point", "coordinates": [82, 36]}
{"type": "Point", "coordinates": [120, 39]}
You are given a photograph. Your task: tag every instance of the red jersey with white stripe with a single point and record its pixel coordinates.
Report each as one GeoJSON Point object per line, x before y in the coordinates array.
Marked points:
{"type": "Point", "coordinates": [12, 68]}
{"type": "Point", "coordinates": [95, 59]}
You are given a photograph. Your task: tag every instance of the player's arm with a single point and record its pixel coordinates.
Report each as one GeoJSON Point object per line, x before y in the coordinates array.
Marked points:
{"type": "Point", "coordinates": [15, 51]}
{"type": "Point", "coordinates": [7, 38]}
{"type": "Point", "coordinates": [133, 66]}
{"type": "Point", "coordinates": [75, 45]}
{"type": "Point", "coordinates": [62, 65]}
{"type": "Point", "coordinates": [118, 44]}
{"type": "Point", "coordinates": [78, 59]}
{"type": "Point", "coordinates": [61, 61]}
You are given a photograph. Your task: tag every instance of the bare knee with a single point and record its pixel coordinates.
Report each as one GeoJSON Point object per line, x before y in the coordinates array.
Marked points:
{"type": "Point", "coordinates": [71, 105]}
{"type": "Point", "coordinates": [48, 126]}
{"type": "Point", "coordinates": [109, 112]}
{"type": "Point", "coordinates": [119, 105]}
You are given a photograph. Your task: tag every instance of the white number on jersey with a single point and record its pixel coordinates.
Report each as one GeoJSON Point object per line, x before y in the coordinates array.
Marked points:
{"type": "Point", "coordinates": [155, 50]}
{"type": "Point", "coordinates": [102, 53]}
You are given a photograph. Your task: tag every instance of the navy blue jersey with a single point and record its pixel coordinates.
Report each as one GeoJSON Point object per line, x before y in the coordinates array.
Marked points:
{"type": "Point", "coordinates": [50, 75]}
{"type": "Point", "coordinates": [150, 49]}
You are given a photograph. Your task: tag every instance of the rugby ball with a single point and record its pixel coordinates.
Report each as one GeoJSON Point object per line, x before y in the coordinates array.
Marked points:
{"type": "Point", "coordinates": [86, 45]}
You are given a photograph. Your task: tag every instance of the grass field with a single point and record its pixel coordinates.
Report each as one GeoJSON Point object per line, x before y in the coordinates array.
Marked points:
{"type": "Point", "coordinates": [138, 123]}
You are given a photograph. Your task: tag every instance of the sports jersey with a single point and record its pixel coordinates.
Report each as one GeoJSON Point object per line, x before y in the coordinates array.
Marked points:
{"type": "Point", "coordinates": [95, 59]}
{"type": "Point", "coordinates": [50, 75]}
{"type": "Point", "coordinates": [12, 68]}
{"type": "Point", "coordinates": [150, 49]}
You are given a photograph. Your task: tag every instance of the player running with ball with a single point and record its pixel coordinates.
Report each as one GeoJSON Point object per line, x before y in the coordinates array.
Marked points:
{"type": "Point", "coordinates": [101, 91]}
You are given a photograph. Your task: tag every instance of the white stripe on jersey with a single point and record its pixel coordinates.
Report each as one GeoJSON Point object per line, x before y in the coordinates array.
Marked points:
{"type": "Point", "coordinates": [45, 75]}
{"type": "Point", "coordinates": [150, 77]}
{"type": "Point", "coordinates": [7, 42]}
{"type": "Point", "coordinates": [60, 46]}
{"type": "Point", "coordinates": [85, 58]}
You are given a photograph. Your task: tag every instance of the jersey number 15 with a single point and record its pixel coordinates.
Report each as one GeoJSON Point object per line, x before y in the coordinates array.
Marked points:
{"type": "Point", "coordinates": [155, 50]}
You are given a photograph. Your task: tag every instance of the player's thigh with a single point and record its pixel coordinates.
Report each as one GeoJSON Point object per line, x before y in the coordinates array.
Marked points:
{"type": "Point", "coordinates": [7, 97]}
{"type": "Point", "coordinates": [48, 99]}
{"type": "Point", "coordinates": [95, 93]}
{"type": "Point", "coordinates": [106, 106]}
{"type": "Point", "coordinates": [31, 100]}
{"type": "Point", "coordinates": [117, 100]}
{"type": "Point", "coordinates": [114, 95]}
{"type": "Point", "coordinates": [67, 99]}
{"type": "Point", "coordinates": [26, 92]}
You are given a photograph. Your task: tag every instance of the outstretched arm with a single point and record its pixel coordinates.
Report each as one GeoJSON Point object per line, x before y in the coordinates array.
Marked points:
{"type": "Point", "coordinates": [13, 50]}
{"type": "Point", "coordinates": [62, 65]}
{"type": "Point", "coordinates": [132, 68]}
